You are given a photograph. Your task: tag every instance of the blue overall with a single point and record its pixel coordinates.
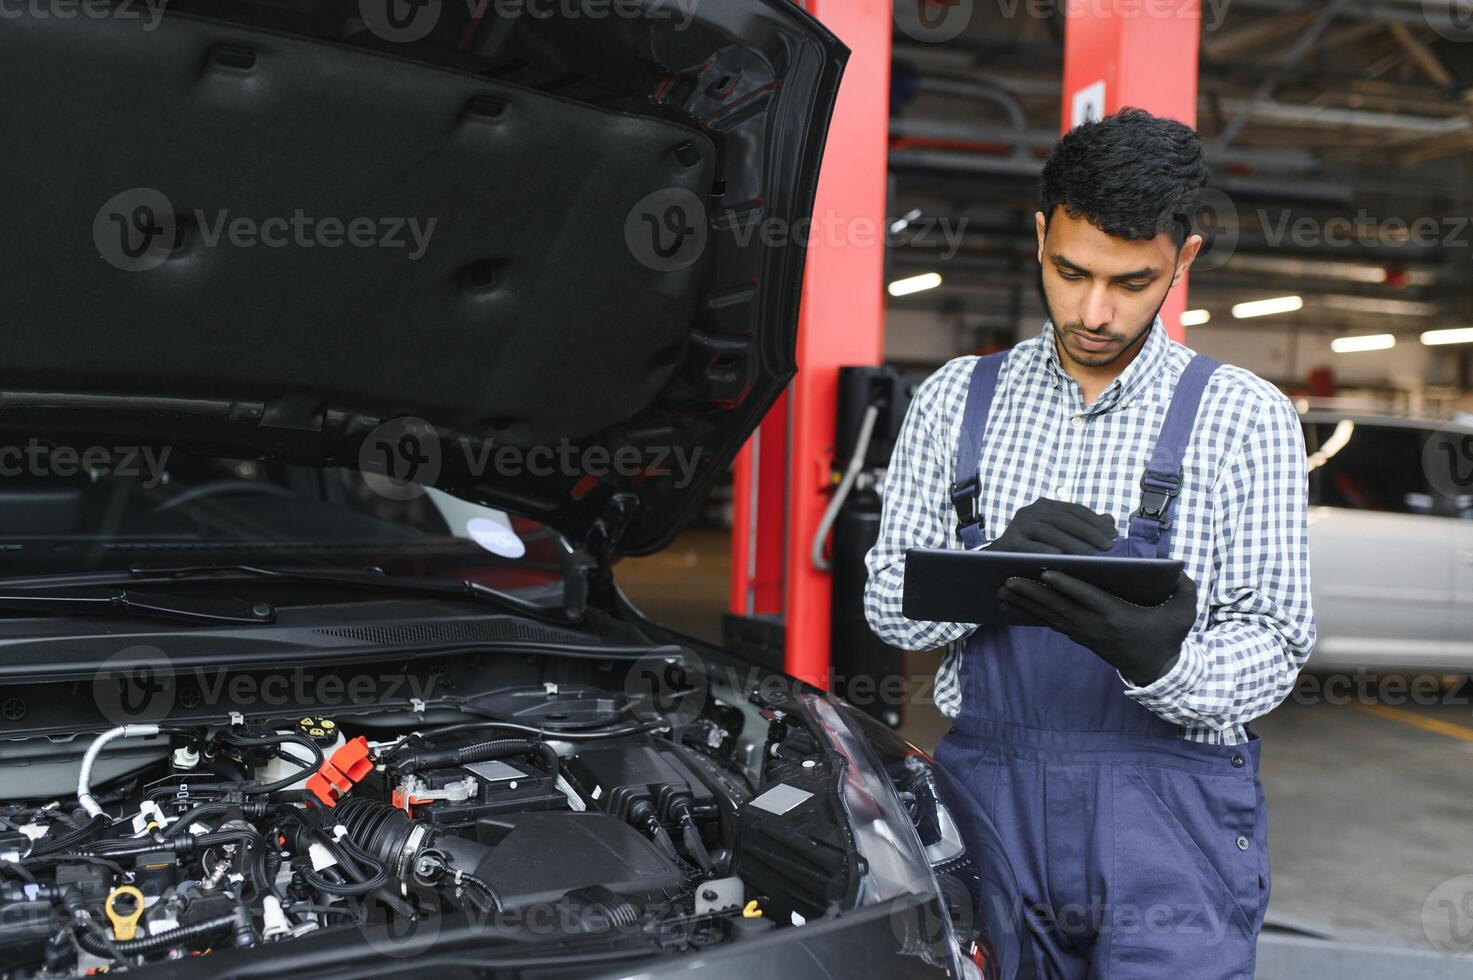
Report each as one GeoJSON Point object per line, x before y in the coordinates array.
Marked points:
{"type": "Point", "coordinates": [1133, 853]}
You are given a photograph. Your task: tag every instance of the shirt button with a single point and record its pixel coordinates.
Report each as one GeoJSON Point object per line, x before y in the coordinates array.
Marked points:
{"type": "Point", "coordinates": [1237, 760]}
{"type": "Point", "coordinates": [1242, 843]}
{"type": "Point", "coordinates": [1077, 421]}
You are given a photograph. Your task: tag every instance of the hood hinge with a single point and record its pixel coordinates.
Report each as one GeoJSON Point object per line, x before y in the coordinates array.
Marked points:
{"type": "Point", "coordinates": [593, 578]}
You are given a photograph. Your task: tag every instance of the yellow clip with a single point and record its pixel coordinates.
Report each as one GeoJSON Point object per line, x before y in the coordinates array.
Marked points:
{"type": "Point", "coordinates": [125, 926]}
{"type": "Point", "coordinates": [751, 911]}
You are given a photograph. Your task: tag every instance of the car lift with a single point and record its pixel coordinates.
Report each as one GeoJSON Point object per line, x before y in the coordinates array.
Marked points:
{"type": "Point", "coordinates": [785, 478]}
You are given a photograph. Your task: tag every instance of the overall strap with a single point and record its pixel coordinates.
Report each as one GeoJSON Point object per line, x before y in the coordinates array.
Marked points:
{"type": "Point", "coordinates": [966, 489]}
{"type": "Point", "coordinates": [1163, 478]}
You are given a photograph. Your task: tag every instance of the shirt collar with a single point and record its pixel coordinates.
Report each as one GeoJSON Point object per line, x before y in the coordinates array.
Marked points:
{"type": "Point", "coordinates": [1137, 377]}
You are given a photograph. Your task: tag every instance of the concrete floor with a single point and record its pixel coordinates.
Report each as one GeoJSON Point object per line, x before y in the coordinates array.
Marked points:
{"type": "Point", "coordinates": [1370, 805]}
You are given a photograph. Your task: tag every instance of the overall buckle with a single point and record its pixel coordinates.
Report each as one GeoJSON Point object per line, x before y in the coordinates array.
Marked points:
{"type": "Point", "coordinates": [966, 498]}
{"type": "Point", "coordinates": [1157, 492]}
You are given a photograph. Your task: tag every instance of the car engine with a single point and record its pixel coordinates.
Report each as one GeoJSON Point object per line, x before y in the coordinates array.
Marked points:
{"type": "Point", "coordinates": [643, 829]}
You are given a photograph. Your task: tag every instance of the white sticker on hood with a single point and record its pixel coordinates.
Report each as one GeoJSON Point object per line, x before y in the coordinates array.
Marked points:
{"type": "Point", "coordinates": [496, 537]}
{"type": "Point", "coordinates": [781, 798]}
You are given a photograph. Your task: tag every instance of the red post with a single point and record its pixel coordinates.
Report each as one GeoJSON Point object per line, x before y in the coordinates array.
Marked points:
{"type": "Point", "coordinates": [781, 479]}
{"type": "Point", "coordinates": [1121, 53]}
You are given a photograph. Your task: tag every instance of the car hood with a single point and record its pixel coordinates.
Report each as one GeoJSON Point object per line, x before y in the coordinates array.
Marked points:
{"type": "Point", "coordinates": [543, 261]}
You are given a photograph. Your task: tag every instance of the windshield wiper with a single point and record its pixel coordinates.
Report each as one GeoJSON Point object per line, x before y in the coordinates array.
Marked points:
{"type": "Point", "coordinates": [368, 579]}
{"type": "Point", "coordinates": [140, 605]}
{"type": "Point", "coordinates": [373, 579]}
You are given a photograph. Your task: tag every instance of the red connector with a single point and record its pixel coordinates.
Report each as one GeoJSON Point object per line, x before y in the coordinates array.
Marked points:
{"type": "Point", "coordinates": [347, 767]}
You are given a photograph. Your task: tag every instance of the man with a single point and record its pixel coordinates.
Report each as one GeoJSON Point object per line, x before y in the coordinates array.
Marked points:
{"type": "Point", "coordinates": [1105, 750]}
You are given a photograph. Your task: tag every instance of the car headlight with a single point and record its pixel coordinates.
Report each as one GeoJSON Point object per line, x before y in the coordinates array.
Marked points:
{"type": "Point", "coordinates": [910, 843]}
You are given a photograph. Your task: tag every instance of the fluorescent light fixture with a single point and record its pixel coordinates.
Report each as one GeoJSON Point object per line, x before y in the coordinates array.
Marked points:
{"type": "Point", "coordinates": [1268, 307]}
{"type": "Point", "coordinates": [903, 222]}
{"type": "Point", "coordinates": [1456, 335]}
{"type": "Point", "coordinates": [915, 284]}
{"type": "Point", "coordinates": [1364, 342]}
{"type": "Point", "coordinates": [1195, 318]}
{"type": "Point", "coordinates": [1390, 307]}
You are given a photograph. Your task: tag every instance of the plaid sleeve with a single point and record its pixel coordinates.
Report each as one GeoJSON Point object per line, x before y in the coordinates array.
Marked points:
{"type": "Point", "coordinates": [1242, 658]}
{"type": "Point", "coordinates": [915, 512]}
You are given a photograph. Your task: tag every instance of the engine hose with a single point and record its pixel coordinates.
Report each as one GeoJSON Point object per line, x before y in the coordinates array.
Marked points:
{"type": "Point", "coordinates": [479, 752]}
{"type": "Point", "coordinates": [159, 942]}
{"type": "Point", "coordinates": [388, 835]}
{"type": "Point", "coordinates": [47, 846]}
{"type": "Point", "coordinates": [250, 810]}
{"type": "Point", "coordinates": [486, 888]}
{"type": "Point", "coordinates": [89, 759]}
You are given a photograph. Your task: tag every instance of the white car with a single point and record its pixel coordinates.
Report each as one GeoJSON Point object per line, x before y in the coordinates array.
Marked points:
{"type": "Point", "coordinates": [1391, 541]}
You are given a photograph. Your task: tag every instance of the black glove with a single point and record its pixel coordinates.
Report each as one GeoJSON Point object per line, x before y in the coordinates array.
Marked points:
{"type": "Point", "coordinates": [1142, 642]}
{"type": "Point", "coordinates": [1053, 527]}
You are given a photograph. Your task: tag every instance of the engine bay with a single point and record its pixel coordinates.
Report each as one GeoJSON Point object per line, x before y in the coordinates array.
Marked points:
{"type": "Point", "coordinates": [556, 814]}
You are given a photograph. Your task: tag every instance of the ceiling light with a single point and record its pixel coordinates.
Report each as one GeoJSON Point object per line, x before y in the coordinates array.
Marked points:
{"type": "Point", "coordinates": [1268, 307]}
{"type": "Point", "coordinates": [1391, 307]}
{"type": "Point", "coordinates": [915, 284]}
{"type": "Point", "coordinates": [1364, 342]}
{"type": "Point", "coordinates": [1195, 318]}
{"type": "Point", "coordinates": [1456, 335]}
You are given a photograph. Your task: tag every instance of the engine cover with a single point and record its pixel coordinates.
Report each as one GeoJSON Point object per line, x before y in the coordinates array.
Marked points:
{"type": "Point", "coordinates": [536, 858]}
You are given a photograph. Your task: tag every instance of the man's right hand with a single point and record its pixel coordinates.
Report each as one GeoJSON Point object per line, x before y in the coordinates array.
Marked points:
{"type": "Point", "coordinates": [1054, 527]}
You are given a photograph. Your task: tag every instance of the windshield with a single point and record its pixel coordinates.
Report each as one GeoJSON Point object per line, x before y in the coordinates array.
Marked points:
{"type": "Point", "coordinates": [152, 508]}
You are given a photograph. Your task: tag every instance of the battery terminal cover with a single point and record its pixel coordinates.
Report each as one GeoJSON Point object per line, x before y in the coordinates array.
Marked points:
{"type": "Point", "coordinates": [414, 791]}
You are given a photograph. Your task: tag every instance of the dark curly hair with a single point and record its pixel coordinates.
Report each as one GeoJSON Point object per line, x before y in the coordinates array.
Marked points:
{"type": "Point", "coordinates": [1130, 174]}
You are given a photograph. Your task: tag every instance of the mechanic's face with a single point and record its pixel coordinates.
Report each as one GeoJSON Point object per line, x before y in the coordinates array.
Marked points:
{"type": "Point", "coordinates": [1103, 293]}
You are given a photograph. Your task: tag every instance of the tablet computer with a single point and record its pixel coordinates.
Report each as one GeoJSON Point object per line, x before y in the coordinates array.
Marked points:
{"type": "Point", "coordinates": [949, 585]}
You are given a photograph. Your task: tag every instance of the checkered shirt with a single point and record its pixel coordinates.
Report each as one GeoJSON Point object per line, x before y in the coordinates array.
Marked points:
{"type": "Point", "coordinates": [1239, 523]}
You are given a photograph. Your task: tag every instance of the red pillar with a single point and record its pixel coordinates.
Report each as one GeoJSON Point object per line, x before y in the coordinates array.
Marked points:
{"type": "Point", "coordinates": [1143, 55]}
{"type": "Point", "coordinates": [781, 479]}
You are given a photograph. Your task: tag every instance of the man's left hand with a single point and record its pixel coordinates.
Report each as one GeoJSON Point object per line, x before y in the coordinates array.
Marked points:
{"type": "Point", "coordinates": [1142, 642]}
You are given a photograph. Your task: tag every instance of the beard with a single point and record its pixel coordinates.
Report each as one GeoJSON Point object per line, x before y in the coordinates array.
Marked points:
{"type": "Point", "coordinates": [1117, 343]}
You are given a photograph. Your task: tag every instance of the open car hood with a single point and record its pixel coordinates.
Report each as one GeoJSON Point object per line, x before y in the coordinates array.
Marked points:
{"type": "Point", "coordinates": [543, 261]}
